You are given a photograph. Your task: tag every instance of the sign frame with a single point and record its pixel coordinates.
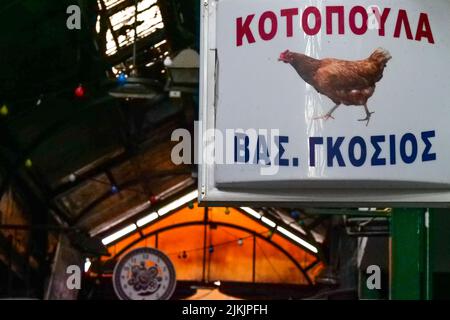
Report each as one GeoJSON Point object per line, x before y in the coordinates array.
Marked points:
{"type": "Point", "coordinates": [211, 195]}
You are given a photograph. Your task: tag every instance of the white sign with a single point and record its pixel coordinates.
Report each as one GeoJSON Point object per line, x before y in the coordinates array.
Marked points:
{"type": "Point", "coordinates": [326, 102]}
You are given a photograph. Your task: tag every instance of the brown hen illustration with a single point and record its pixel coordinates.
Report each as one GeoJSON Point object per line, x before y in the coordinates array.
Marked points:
{"type": "Point", "coordinates": [344, 82]}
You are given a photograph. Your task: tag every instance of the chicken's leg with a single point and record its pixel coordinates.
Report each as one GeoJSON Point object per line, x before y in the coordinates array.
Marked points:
{"type": "Point", "coordinates": [328, 115]}
{"type": "Point", "coordinates": [368, 115]}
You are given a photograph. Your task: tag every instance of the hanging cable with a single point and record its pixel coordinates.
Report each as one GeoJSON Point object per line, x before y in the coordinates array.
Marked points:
{"type": "Point", "coordinates": [218, 245]}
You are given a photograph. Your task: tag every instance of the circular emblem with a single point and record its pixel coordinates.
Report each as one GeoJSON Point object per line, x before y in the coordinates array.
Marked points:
{"type": "Point", "coordinates": [144, 274]}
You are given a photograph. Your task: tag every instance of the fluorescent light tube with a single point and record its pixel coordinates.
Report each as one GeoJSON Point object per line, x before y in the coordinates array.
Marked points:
{"type": "Point", "coordinates": [147, 219]}
{"type": "Point", "coordinates": [178, 203]}
{"type": "Point", "coordinates": [297, 239]}
{"type": "Point", "coordinates": [119, 234]}
{"type": "Point", "coordinates": [251, 212]}
{"type": "Point", "coordinates": [268, 222]}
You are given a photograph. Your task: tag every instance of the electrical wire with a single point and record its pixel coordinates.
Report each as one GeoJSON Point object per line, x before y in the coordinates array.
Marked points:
{"type": "Point", "coordinates": [119, 189]}
{"type": "Point", "coordinates": [270, 262]}
{"type": "Point", "coordinates": [218, 245]}
{"type": "Point", "coordinates": [42, 97]}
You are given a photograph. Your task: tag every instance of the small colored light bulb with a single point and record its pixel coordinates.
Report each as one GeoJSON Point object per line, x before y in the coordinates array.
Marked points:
{"type": "Point", "coordinates": [122, 78]}
{"type": "Point", "coordinates": [114, 189]}
{"type": "Point", "coordinates": [39, 100]}
{"type": "Point", "coordinates": [28, 163]}
{"type": "Point", "coordinates": [167, 62]}
{"type": "Point", "coordinates": [79, 91]}
{"type": "Point", "coordinates": [295, 214]}
{"type": "Point", "coordinates": [4, 110]}
{"type": "Point", "coordinates": [153, 199]}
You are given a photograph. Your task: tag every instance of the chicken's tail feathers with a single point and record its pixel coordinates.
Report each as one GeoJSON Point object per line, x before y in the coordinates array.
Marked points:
{"type": "Point", "coordinates": [381, 55]}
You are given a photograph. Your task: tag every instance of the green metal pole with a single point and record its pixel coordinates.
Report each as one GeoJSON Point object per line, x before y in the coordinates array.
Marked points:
{"type": "Point", "coordinates": [439, 255]}
{"type": "Point", "coordinates": [428, 257]}
{"type": "Point", "coordinates": [408, 254]}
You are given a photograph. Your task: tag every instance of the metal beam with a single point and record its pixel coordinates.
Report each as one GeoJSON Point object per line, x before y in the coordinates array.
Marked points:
{"type": "Point", "coordinates": [219, 224]}
{"type": "Point", "coordinates": [38, 227]}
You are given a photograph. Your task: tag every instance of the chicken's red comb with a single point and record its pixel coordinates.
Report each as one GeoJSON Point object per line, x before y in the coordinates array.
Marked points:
{"type": "Point", "coordinates": [283, 55]}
